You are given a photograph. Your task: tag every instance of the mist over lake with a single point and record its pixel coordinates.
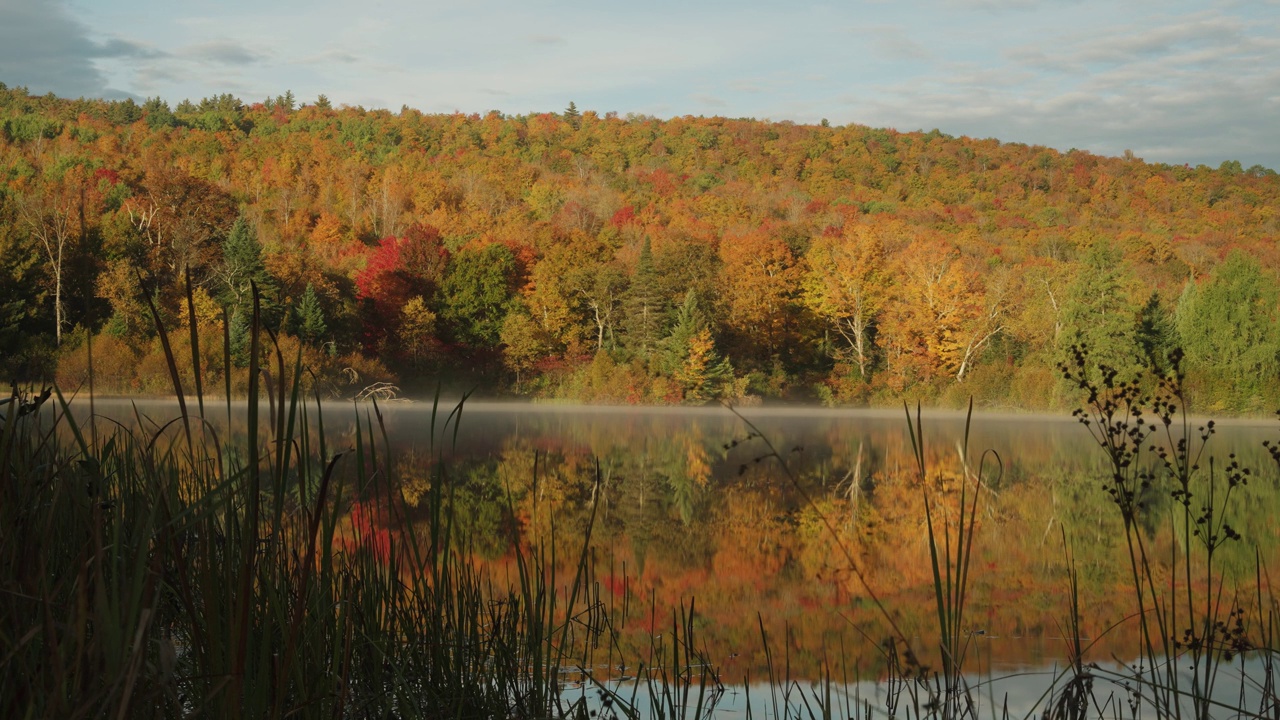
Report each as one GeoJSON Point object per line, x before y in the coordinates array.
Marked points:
{"type": "Point", "coordinates": [799, 518]}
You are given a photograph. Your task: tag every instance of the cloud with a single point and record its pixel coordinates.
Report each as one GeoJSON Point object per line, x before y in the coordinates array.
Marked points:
{"type": "Point", "coordinates": [155, 74]}
{"type": "Point", "coordinates": [120, 48]}
{"type": "Point", "coordinates": [892, 41]}
{"type": "Point", "coordinates": [991, 5]}
{"type": "Point", "coordinates": [1195, 88]}
{"type": "Point", "coordinates": [332, 55]}
{"type": "Point", "coordinates": [543, 39]}
{"type": "Point", "coordinates": [1135, 43]}
{"type": "Point", "coordinates": [709, 100]}
{"type": "Point", "coordinates": [44, 48]}
{"type": "Point", "coordinates": [227, 52]}
{"type": "Point", "coordinates": [1197, 118]}
{"type": "Point", "coordinates": [1202, 36]}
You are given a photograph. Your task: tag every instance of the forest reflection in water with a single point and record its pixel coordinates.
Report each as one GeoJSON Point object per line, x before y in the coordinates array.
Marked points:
{"type": "Point", "coordinates": [791, 532]}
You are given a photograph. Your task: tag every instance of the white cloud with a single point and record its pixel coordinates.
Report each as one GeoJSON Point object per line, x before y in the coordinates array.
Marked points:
{"type": "Point", "coordinates": [1191, 88]}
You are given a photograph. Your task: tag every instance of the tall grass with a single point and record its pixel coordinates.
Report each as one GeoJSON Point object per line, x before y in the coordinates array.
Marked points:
{"type": "Point", "coordinates": [187, 572]}
{"type": "Point", "coordinates": [1191, 614]}
{"type": "Point", "coordinates": [950, 561]}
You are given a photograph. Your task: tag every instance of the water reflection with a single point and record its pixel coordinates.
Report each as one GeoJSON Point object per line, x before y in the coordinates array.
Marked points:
{"type": "Point", "coordinates": [807, 526]}
{"type": "Point", "coordinates": [999, 691]}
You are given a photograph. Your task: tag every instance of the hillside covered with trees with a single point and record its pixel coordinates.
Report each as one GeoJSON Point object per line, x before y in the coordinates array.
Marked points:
{"type": "Point", "coordinates": [620, 259]}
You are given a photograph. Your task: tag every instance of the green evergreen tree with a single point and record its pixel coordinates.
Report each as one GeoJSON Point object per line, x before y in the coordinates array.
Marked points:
{"type": "Point", "coordinates": [1156, 333]}
{"type": "Point", "coordinates": [644, 312]}
{"type": "Point", "coordinates": [124, 112]}
{"type": "Point", "coordinates": [239, 327]}
{"type": "Point", "coordinates": [310, 317]}
{"type": "Point", "coordinates": [690, 358]}
{"type": "Point", "coordinates": [1099, 312]}
{"type": "Point", "coordinates": [158, 114]}
{"type": "Point", "coordinates": [689, 321]}
{"type": "Point", "coordinates": [572, 116]}
{"type": "Point", "coordinates": [1229, 331]}
{"type": "Point", "coordinates": [242, 267]}
{"type": "Point", "coordinates": [241, 264]}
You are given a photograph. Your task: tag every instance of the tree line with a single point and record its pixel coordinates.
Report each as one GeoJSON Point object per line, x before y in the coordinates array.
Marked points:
{"type": "Point", "coordinates": [624, 259]}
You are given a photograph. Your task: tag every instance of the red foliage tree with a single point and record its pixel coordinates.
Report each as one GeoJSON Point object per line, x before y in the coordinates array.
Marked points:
{"type": "Point", "coordinates": [396, 270]}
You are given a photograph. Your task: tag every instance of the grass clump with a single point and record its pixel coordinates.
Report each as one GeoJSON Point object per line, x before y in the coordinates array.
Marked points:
{"type": "Point", "coordinates": [1194, 619]}
{"type": "Point", "coordinates": [191, 571]}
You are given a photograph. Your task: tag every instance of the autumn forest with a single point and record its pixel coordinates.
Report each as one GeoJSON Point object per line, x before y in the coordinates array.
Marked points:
{"type": "Point", "coordinates": [620, 259]}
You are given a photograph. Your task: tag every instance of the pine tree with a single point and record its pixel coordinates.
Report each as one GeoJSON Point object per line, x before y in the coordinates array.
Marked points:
{"type": "Point", "coordinates": [241, 264]}
{"type": "Point", "coordinates": [239, 331]}
{"type": "Point", "coordinates": [242, 267]}
{"type": "Point", "coordinates": [704, 374]}
{"type": "Point", "coordinates": [1099, 313]}
{"type": "Point", "coordinates": [157, 114]}
{"type": "Point", "coordinates": [1156, 333]}
{"type": "Point", "coordinates": [310, 317]}
{"type": "Point", "coordinates": [572, 116]}
{"type": "Point", "coordinates": [689, 321]}
{"type": "Point", "coordinates": [689, 355]}
{"type": "Point", "coordinates": [644, 310]}
{"type": "Point", "coordinates": [1229, 329]}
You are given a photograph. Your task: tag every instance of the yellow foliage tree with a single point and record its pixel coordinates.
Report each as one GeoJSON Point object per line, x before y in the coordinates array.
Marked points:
{"type": "Point", "coordinates": [760, 280]}
{"type": "Point", "coordinates": [847, 284]}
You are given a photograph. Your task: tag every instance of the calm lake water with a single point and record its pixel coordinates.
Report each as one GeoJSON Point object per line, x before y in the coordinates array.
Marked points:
{"type": "Point", "coordinates": [802, 531]}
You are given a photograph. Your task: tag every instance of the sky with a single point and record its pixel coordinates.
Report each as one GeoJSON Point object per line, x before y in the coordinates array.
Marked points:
{"type": "Point", "coordinates": [1171, 80]}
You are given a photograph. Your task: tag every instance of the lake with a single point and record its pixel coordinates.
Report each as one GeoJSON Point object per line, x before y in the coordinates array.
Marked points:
{"type": "Point", "coordinates": [797, 537]}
